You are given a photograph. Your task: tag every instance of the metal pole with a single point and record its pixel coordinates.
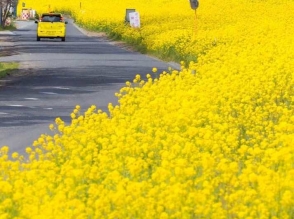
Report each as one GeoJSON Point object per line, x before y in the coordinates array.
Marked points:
{"type": "Point", "coordinates": [15, 9]}
{"type": "Point", "coordinates": [1, 16]}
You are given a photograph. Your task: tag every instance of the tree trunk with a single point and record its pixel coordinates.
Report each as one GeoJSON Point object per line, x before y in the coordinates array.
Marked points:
{"type": "Point", "coordinates": [6, 5]}
{"type": "Point", "coordinates": [6, 12]}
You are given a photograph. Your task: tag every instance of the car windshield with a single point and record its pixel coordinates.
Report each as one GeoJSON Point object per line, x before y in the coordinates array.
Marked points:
{"type": "Point", "coordinates": [51, 18]}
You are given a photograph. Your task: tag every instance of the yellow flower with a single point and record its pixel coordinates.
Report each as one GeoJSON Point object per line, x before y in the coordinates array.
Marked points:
{"type": "Point", "coordinates": [128, 83]}
{"type": "Point", "coordinates": [164, 215]}
{"type": "Point", "coordinates": [51, 127]}
{"type": "Point", "coordinates": [29, 150]}
{"type": "Point", "coordinates": [78, 107]}
{"type": "Point", "coordinates": [14, 155]}
{"type": "Point", "coordinates": [287, 198]}
{"type": "Point", "coordinates": [4, 150]}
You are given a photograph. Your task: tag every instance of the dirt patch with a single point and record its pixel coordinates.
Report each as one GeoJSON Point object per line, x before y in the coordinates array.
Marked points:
{"type": "Point", "coordinates": [124, 46]}
{"type": "Point", "coordinates": [6, 39]}
{"type": "Point", "coordinates": [96, 34]}
{"type": "Point", "coordinates": [7, 47]}
{"type": "Point", "coordinates": [16, 74]}
{"type": "Point", "coordinates": [7, 52]}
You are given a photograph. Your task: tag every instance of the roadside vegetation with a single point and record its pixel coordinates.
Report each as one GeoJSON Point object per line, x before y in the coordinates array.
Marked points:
{"type": "Point", "coordinates": [10, 27]}
{"type": "Point", "coordinates": [213, 140]}
{"type": "Point", "coordinates": [7, 68]}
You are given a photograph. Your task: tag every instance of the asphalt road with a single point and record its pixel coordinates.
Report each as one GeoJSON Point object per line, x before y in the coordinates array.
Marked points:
{"type": "Point", "coordinates": [55, 76]}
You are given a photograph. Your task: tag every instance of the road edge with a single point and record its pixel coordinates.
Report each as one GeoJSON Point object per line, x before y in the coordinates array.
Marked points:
{"type": "Point", "coordinates": [121, 44]}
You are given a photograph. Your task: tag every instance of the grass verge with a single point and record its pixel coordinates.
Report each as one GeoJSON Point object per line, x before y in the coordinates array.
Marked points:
{"type": "Point", "coordinates": [7, 68]}
{"type": "Point", "coordinates": [10, 27]}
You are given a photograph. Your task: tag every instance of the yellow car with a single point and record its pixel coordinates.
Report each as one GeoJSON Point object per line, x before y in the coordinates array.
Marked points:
{"type": "Point", "coordinates": [51, 25]}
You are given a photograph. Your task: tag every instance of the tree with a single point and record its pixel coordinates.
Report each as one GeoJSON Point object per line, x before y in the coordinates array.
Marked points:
{"type": "Point", "coordinates": [5, 10]}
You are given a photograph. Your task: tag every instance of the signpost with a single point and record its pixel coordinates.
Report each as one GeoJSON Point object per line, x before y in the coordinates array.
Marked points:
{"type": "Point", "coordinates": [128, 11]}
{"type": "Point", "coordinates": [194, 4]}
{"type": "Point", "coordinates": [134, 19]}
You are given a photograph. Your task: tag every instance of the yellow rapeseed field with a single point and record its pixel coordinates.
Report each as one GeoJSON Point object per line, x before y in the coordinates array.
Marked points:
{"type": "Point", "coordinates": [213, 140]}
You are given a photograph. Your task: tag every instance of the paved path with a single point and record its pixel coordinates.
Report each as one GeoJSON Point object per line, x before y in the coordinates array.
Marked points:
{"type": "Point", "coordinates": [59, 75]}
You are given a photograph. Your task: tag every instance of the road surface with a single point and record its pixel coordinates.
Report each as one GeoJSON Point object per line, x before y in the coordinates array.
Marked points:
{"type": "Point", "coordinates": [56, 76]}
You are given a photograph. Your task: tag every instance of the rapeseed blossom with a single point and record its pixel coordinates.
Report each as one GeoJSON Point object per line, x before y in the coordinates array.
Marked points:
{"type": "Point", "coordinates": [213, 140]}
{"type": "Point", "coordinates": [190, 152]}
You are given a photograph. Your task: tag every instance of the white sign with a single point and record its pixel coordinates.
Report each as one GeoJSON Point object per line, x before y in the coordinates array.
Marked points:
{"type": "Point", "coordinates": [134, 19]}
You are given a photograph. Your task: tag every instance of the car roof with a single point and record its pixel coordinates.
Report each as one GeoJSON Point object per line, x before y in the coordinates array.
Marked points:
{"type": "Point", "coordinates": [52, 14]}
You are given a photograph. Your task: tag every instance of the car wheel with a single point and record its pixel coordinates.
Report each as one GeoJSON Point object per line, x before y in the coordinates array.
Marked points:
{"type": "Point", "coordinates": [38, 38]}
{"type": "Point", "coordinates": [63, 39]}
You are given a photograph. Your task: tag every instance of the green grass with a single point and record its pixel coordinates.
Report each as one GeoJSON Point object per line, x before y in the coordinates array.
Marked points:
{"type": "Point", "coordinates": [10, 27]}
{"type": "Point", "coordinates": [7, 68]}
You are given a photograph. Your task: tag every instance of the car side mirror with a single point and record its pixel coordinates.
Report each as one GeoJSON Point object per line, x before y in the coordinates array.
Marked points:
{"type": "Point", "coordinates": [66, 22]}
{"type": "Point", "coordinates": [36, 22]}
